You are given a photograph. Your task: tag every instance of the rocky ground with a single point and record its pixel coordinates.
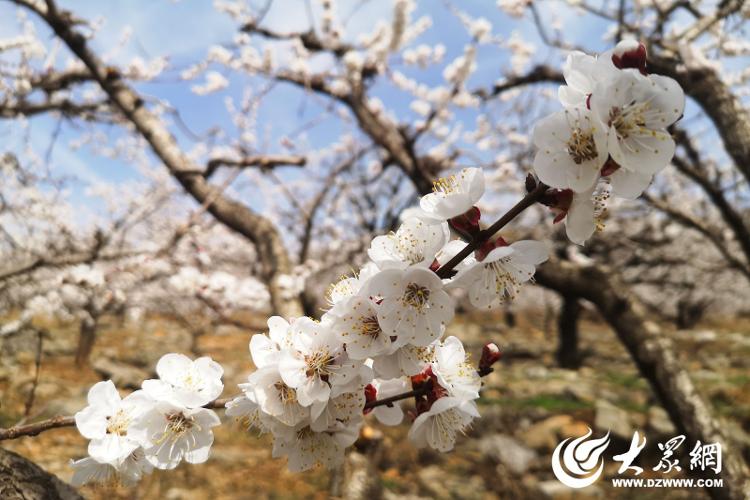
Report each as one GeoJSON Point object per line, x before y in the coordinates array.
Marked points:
{"type": "Point", "coordinates": [528, 407]}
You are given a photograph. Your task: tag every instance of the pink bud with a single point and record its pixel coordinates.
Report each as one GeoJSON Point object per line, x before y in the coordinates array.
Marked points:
{"type": "Point", "coordinates": [467, 224]}
{"type": "Point", "coordinates": [630, 54]}
{"type": "Point", "coordinates": [490, 355]}
{"type": "Point", "coordinates": [371, 394]}
{"type": "Point", "coordinates": [557, 198]}
{"type": "Point", "coordinates": [488, 246]}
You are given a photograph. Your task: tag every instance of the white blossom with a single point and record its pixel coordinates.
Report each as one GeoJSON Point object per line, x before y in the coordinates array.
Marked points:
{"type": "Point", "coordinates": [636, 111]}
{"type": "Point", "coordinates": [170, 433]}
{"type": "Point", "coordinates": [454, 195]}
{"type": "Point", "coordinates": [412, 305]}
{"type": "Point", "coordinates": [572, 149]}
{"type": "Point", "coordinates": [501, 273]}
{"type": "Point", "coordinates": [106, 421]}
{"type": "Point", "coordinates": [453, 370]}
{"type": "Point", "coordinates": [415, 242]}
{"type": "Point", "coordinates": [316, 361]}
{"type": "Point", "coordinates": [184, 382]}
{"type": "Point", "coordinates": [356, 324]}
{"type": "Point", "coordinates": [406, 360]}
{"type": "Point", "coordinates": [306, 448]}
{"type": "Point", "coordinates": [215, 81]}
{"type": "Point", "coordinates": [440, 425]}
{"type": "Point", "coordinates": [274, 397]}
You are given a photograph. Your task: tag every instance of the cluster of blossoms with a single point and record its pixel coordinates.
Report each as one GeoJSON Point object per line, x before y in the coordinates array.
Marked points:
{"type": "Point", "coordinates": [157, 426]}
{"type": "Point", "coordinates": [611, 138]}
{"type": "Point", "coordinates": [383, 337]}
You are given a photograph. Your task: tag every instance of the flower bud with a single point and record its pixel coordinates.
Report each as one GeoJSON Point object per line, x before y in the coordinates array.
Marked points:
{"type": "Point", "coordinates": [488, 246]}
{"type": "Point", "coordinates": [630, 54]}
{"type": "Point", "coordinates": [467, 224]}
{"type": "Point", "coordinates": [371, 394]}
{"type": "Point", "coordinates": [490, 355]}
{"type": "Point", "coordinates": [557, 198]}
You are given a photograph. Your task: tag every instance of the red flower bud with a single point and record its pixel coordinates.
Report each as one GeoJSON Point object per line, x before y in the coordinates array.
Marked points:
{"type": "Point", "coordinates": [467, 224]}
{"type": "Point", "coordinates": [490, 355]}
{"type": "Point", "coordinates": [488, 246]}
{"type": "Point", "coordinates": [557, 198]}
{"type": "Point", "coordinates": [371, 394]}
{"type": "Point", "coordinates": [630, 54]}
{"type": "Point", "coordinates": [422, 377]}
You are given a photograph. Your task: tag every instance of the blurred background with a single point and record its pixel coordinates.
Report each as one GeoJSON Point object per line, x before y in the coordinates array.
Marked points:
{"type": "Point", "coordinates": [224, 161]}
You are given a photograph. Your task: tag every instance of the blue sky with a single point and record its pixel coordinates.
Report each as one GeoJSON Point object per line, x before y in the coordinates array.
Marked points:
{"type": "Point", "coordinates": [185, 29]}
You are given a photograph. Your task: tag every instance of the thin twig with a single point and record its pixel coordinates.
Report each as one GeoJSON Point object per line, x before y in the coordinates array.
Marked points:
{"type": "Point", "coordinates": [37, 369]}
{"type": "Point", "coordinates": [18, 431]}
{"type": "Point", "coordinates": [528, 200]}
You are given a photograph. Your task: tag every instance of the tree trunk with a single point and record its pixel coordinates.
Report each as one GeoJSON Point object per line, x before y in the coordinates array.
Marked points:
{"type": "Point", "coordinates": [359, 477]}
{"type": "Point", "coordinates": [717, 100]}
{"type": "Point", "coordinates": [22, 479]}
{"type": "Point", "coordinates": [86, 339]}
{"type": "Point", "coordinates": [568, 355]}
{"type": "Point", "coordinates": [654, 355]}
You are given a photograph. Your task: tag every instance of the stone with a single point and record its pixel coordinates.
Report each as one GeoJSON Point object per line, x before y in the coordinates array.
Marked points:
{"type": "Point", "coordinates": [65, 406]}
{"type": "Point", "coordinates": [659, 421]}
{"type": "Point", "coordinates": [613, 419]}
{"type": "Point", "coordinates": [123, 375]}
{"type": "Point", "coordinates": [581, 392]}
{"type": "Point", "coordinates": [576, 428]}
{"type": "Point", "coordinates": [508, 451]}
{"type": "Point", "coordinates": [537, 372]}
{"type": "Point", "coordinates": [555, 490]}
{"type": "Point", "coordinates": [545, 435]}
{"type": "Point", "coordinates": [704, 336]}
{"type": "Point", "coordinates": [434, 480]}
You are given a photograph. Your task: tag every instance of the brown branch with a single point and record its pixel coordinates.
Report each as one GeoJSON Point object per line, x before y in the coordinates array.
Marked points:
{"type": "Point", "coordinates": [318, 201]}
{"type": "Point", "coordinates": [726, 111]}
{"type": "Point", "coordinates": [446, 270]}
{"type": "Point", "coordinates": [695, 170]}
{"type": "Point", "coordinates": [309, 39]}
{"type": "Point", "coordinates": [36, 428]}
{"type": "Point", "coordinates": [65, 106]}
{"type": "Point", "coordinates": [261, 161]}
{"type": "Point", "coordinates": [55, 81]}
{"type": "Point", "coordinates": [37, 369]}
{"type": "Point", "coordinates": [690, 222]}
{"type": "Point", "coordinates": [414, 393]}
{"type": "Point", "coordinates": [539, 74]}
{"type": "Point", "coordinates": [59, 421]}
